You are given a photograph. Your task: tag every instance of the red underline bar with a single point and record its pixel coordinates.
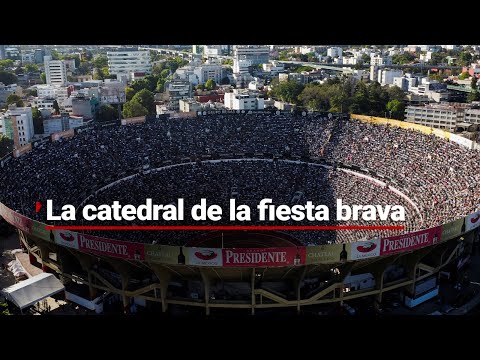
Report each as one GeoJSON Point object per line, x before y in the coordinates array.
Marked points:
{"type": "Point", "coordinates": [224, 228]}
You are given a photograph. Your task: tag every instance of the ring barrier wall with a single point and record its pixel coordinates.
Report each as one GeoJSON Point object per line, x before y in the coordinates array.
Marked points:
{"type": "Point", "coordinates": [253, 257]}
{"type": "Point", "coordinates": [237, 257]}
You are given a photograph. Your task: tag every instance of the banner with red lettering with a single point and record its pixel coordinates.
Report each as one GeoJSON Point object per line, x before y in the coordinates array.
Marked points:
{"type": "Point", "coordinates": [473, 221]}
{"type": "Point", "coordinates": [364, 249]}
{"type": "Point", "coordinates": [109, 247]}
{"type": "Point", "coordinates": [204, 256]}
{"type": "Point", "coordinates": [19, 221]}
{"type": "Point", "coordinates": [411, 241]}
{"type": "Point", "coordinates": [66, 238]}
{"type": "Point", "coordinates": [237, 257]}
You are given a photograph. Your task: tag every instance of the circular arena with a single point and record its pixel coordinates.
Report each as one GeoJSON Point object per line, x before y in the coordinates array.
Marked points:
{"type": "Point", "coordinates": [288, 157]}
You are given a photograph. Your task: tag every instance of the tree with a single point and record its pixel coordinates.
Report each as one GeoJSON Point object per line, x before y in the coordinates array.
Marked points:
{"type": "Point", "coordinates": [151, 82]}
{"type": "Point", "coordinates": [32, 92]}
{"type": "Point", "coordinates": [474, 95]}
{"type": "Point", "coordinates": [141, 84]}
{"type": "Point", "coordinates": [396, 108]}
{"type": "Point", "coordinates": [37, 121]}
{"type": "Point", "coordinates": [132, 109]}
{"type": "Point", "coordinates": [395, 93]}
{"type": "Point", "coordinates": [365, 59]}
{"type": "Point", "coordinates": [7, 63]}
{"type": "Point", "coordinates": [6, 145]}
{"type": "Point", "coordinates": [56, 108]}
{"type": "Point", "coordinates": [210, 84]}
{"type": "Point", "coordinates": [84, 68]}
{"type": "Point", "coordinates": [97, 74]}
{"type": "Point", "coordinates": [100, 61]}
{"type": "Point", "coordinates": [14, 99]}
{"type": "Point", "coordinates": [288, 91]}
{"type": "Point", "coordinates": [31, 68]}
{"type": "Point", "coordinates": [106, 112]}
{"type": "Point", "coordinates": [145, 98]}
{"type": "Point", "coordinates": [55, 55]}
{"type": "Point", "coordinates": [315, 97]}
{"type": "Point", "coordinates": [304, 68]}
{"type": "Point", "coordinates": [404, 58]}
{"type": "Point", "coordinates": [464, 75]}
{"type": "Point", "coordinates": [225, 81]}
{"type": "Point", "coordinates": [43, 78]}
{"type": "Point", "coordinates": [7, 78]}
{"type": "Point", "coordinates": [160, 85]}
{"type": "Point", "coordinates": [465, 58]}
{"type": "Point", "coordinates": [129, 92]}
{"type": "Point", "coordinates": [164, 73]}
{"type": "Point", "coordinates": [473, 83]}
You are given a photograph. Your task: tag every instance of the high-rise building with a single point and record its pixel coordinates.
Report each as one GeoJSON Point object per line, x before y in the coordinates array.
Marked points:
{"type": "Point", "coordinates": [2, 52]}
{"type": "Point", "coordinates": [17, 124]}
{"type": "Point", "coordinates": [55, 71]}
{"type": "Point", "coordinates": [125, 62]}
{"type": "Point", "coordinates": [39, 54]}
{"type": "Point", "coordinates": [245, 56]}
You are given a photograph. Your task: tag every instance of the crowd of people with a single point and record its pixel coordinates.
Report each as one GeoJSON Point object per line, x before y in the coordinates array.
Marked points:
{"type": "Point", "coordinates": [248, 182]}
{"type": "Point", "coordinates": [440, 177]}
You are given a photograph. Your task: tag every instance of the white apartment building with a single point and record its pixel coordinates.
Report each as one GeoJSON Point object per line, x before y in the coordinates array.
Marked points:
{"type": "Point", "coordinates": [405, 82]}
{"type": "Point", "coordinates": [17, 124]}
{"type": "Point", "coordinates": [189, 105]}
{"type": "Point", "coordinates": [379, 60]}
{"type": "Point", "coordinates": [273, 66]}
{"type": "Point", "coordinates": [426, 57]}
{"type": "Point", "coordinates": [55, 71]}
{"type": "Point", "coordinates": [245, 56]}
{"type": "Point", "coordinates": [243, 100]}
{"type": "Point", "coordinates": [197, 73]}
{"type": "Point", "coordinates": [334, 52]}
{"type": "Point", "coordinates": [385, 76]}
{"type": "Point", "coordinates": [306, 50]}
{"type": "Point", "coordinates": [43, 103]}
{"type": "Point", "coordinates": [351, 60]}
{"type": "Point", "coordinates": [212, 50]}
{"type": "Point", "coordinates": [45, 91]}
{"type": "Point", "coordinates": [442, 116]}
{"type": "Point", "coordinates": [123, 63]}
{"type": "Point", "coordinates": [28, 58]}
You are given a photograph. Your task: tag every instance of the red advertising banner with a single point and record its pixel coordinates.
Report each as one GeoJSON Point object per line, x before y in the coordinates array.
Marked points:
{"type": "Point", "coordinates": [411, 241]}
{"type": "Point", "coordinates": [109, 247]}
{"type": "Point", "coordinates": [19, 221]}
{"type": "Point", "coordinates": [264, 257]}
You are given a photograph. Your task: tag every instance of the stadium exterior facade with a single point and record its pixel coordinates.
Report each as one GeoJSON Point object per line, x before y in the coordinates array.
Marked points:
{"type": "Point", "coordinates": [268, 277]}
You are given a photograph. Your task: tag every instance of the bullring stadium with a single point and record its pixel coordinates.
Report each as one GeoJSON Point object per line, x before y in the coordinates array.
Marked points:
{"type": "Point", "coordinates": [290, 157]}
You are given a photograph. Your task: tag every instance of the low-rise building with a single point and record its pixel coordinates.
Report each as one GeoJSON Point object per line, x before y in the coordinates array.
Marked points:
{"type": "Point", "coordinates": [189, 105]}
{"type": "Point", "coordinates": [386, 76]}
{"type": "Point", "coordinates": [243, 100]}
{"type": "Point", "coordinates": [444, 115]}
{"type": "Point", "coordinates": [176, 90]}
{"type": "Point", "coordinates": [61, 123]}
{"type": "Point", "coordinates": [17, 124]}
